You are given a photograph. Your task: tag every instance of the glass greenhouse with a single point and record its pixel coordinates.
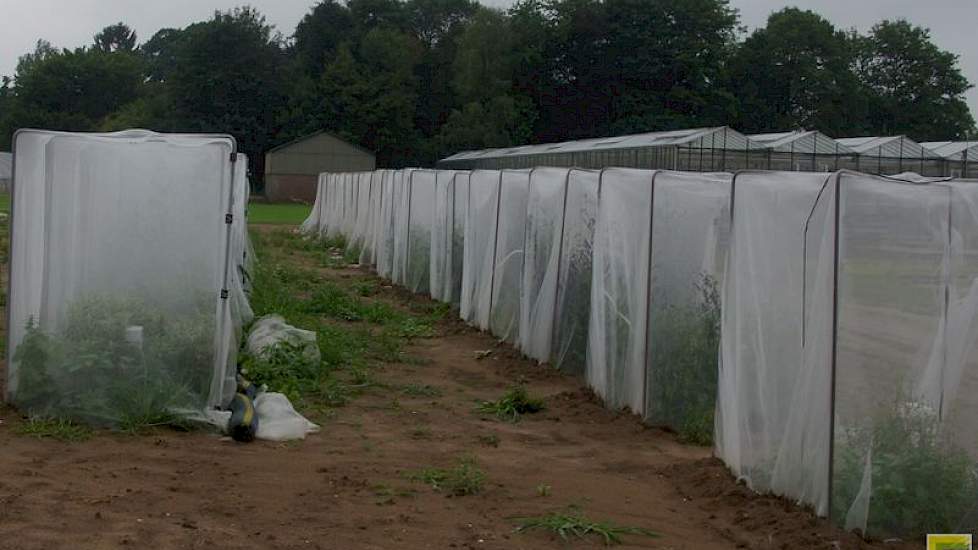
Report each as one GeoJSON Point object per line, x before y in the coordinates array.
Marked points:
{"type": "Point", "coordinates": [699, 149]}
{"type": "Point", "coordinates": [125, 301]}
{"type": "Point", "coordinates": [960, 157]}
{"type": "Point", "coordinates": [890, 155]}
{"type": "Point", "coordinates": [798, 151]}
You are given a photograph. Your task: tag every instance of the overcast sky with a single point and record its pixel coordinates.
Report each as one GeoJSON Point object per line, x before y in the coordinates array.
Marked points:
{"type": "Point", "coordinates": [71, 23]}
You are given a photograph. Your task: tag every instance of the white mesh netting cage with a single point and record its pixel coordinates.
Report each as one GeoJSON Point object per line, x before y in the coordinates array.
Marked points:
{"type": "Point", "coordinates": [846, 329]}
{"type": "Point", "coordinates": [129, 262]}
{"type": "Point", "coordinates": [849, 328]}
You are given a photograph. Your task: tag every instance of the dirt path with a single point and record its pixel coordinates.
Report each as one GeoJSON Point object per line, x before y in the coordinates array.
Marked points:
{"type": "Point", "coordinates": [348, 486]}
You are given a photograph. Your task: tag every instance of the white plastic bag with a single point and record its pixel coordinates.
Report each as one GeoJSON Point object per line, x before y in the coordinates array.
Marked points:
{"type": "Point", "coordinates": [278, 420]}
{"type": "Point", "coordinates": [271, 330]}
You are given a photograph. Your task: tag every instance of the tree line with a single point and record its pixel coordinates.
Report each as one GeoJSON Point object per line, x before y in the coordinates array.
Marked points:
{"type": "Point", "coordinates": [415, 80]}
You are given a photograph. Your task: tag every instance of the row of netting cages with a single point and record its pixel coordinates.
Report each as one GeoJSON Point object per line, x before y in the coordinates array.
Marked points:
{"type": "Point", "coordinates": [129, 272]}
{"type": "Point", "coordinates": [613, 274]}
{"type": "Point", "coordinates": [407, 224]}
{"type": "Point", "coordinates": [848, 370]}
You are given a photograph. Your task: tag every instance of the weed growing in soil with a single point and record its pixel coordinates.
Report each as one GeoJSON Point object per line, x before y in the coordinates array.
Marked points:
{"type": "Point", "coordinates": [513, 404]}
{"type": "Point", "coordinates": [573, 524]}
{"type": "Point", "coordinates": [421, 390]}
{"type": "Point", "coordinates": [365, 288]}
{"type": "Point", "coordinates": [491, 440]}
{"type": "Point", "coordinates": [420, 432]}
{"type": "Point", "coordinates": [386, 494]}
{"type": "Point", "coordinates": [544, 490]}
{"type": "Point", "coordinates": [55, 428]}
{"type": "Point", "coordinates": [466, 478]}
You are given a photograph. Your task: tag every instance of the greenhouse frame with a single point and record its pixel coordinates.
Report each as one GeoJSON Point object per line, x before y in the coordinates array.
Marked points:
{"type": "Point", "coordinates": [960, 157]}
{"type": "Point", "coordinates": [103, 321]}
{"type": "Point", "coordinates": [890, 155]}
{"type": "Point", "coordinates": [797, 151]}
{"type": "Point", "coordinates": [701, 149]}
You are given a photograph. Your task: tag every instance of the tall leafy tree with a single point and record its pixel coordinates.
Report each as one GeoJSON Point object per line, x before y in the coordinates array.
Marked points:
{"type": "Point", "coordinates": [319, 34]}
{"type": "Point", "coordinates": [492, 113]}
{"type": "Point", "coordinates": [914, 87]}
{"type": "Point", "coordinates": [116, 38]}
{"type": "Point", "coordinates": [227, 76]}
{"type": "Point", "coordinates": [796, 73]}
{"type": "Point", "coordinates": [71, 90]}
{"type": "Point", "coordinates": [664, 61]}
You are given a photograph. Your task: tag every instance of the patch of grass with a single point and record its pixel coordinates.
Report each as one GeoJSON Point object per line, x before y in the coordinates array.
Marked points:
{"type": "Point", "coordinates": [366, 288]}
{"type": "Point", "coordinates": [354, 332]}
{"type": "Point", "coordinates": [386, 494]}
{"type": "Point", "coordinates": [352, 254]}
{"type": "Point", "coordinates": [336, 242]}
{"type": "Point", "coordinates": [489, 440]}
{"type": "Point", "coordinates": [466, 478]}
{"type": "Point", "coordinates": [278, 214]}
{"type": "Point", "coordinates": [55, 428]}
{"type": "Point", "coordinates": [290, 214]}
{"type": "Point", "coordinates": [573, 523]}
{"type": "Point", "coordinates": [421, 390]}
{"type": "Point", "coordinates": [515, 403]}
{"type": "Point", "coordinates": [544, 490]}
{"type": "Point", "coordinates": [420, 432]}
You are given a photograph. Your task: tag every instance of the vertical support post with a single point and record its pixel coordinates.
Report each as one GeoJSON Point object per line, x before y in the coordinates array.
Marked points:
{"type": "Point", "coordinates": [835, 340]}
{"type": "Point", "coordinates": [648, 305]}
{"type": "Point", "coordinates": [495, 244]}
{"type": "Point", "coordinates": [560, 258]}
{"type": "Point", "coordinates": [407, 245]}
{"type": "Point", "coordinates": [947, 296]}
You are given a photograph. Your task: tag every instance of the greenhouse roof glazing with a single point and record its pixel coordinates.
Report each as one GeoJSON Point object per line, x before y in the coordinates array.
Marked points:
{"type": "Point", "coordinates": [713, 137]}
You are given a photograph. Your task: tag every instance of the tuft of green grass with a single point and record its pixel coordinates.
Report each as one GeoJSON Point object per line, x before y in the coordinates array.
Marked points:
{"type": "Point", "coordinates": [386, 494]}
{"type": "Point", "coordinates": [466, 478]}
{"type": "Point", "coordinates": [574, 524]}
{"type": "Point", "coordinates": [55, 428]}
{"type": "Point", "coordinates": [366, 289]}
{"type": "Point", "coordinates": [421, 390]}
{"type": "Point", "coordinates": [420, 432]}
{"type": "Point", "coordinates": [490, 440]}
{"type": "Point", "coordinates": [544, 490]}
{"type": "Point", "coordinates": [515, 403]}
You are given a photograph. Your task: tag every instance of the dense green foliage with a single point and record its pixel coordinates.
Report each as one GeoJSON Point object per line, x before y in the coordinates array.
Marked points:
{"type": "Point", "coordinates": [88, 372]}
{"type": "Point", "coordinates": [682, 378]}
{"type": "Point", "coordinates": [415, 80]}
{"type": "Point", "coordinates": [922, 480]}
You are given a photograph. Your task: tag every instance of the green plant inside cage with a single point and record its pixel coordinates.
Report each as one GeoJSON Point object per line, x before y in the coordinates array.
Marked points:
{"type": "Point", "coordinates": [682, 376]}
{"type": "Point", "coordinates": [88, 371]}
{"type": "Point", "coordinates": [922, 481]}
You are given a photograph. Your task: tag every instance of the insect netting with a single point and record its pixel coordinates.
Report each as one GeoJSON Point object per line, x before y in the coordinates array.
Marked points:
{"type": "Point", "coordinates": [125, 295]}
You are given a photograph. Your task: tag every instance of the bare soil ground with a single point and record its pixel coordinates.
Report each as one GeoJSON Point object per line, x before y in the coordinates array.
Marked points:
{"type": "Point", "coordinates": [348, 486]}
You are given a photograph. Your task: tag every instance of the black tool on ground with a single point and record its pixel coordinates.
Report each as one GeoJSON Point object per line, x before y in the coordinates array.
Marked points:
{"type": "Point", "coordinates": [243, 424]}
